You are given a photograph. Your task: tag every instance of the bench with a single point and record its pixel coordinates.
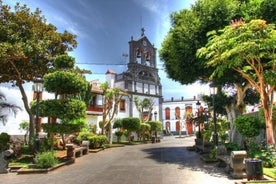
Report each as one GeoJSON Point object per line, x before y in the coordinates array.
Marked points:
{"type": "Point", "coordinates": [77, 151]}
{"type": "Point", "coordinates": [234, 163]}
{"type": "Point", "coordinates": [223, 157]}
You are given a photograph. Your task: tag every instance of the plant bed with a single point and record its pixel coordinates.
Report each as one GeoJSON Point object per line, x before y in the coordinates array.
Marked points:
{"type": "Point", "coordinates": [113, 145]}
{"type": "Point", "coordinates": [208, 159]}
{"type": "Point", "coordinates": [96, 150]}
{"type": "Point", "coordinates": [32, 170]}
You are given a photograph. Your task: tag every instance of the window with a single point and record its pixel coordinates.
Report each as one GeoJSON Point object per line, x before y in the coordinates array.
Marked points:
{"type": "Point", "coordinates": [122, 105]}
{"type": "Point", "coordinates": [177, 113]}
{"type": "Point", "coordinates": [167, 113]}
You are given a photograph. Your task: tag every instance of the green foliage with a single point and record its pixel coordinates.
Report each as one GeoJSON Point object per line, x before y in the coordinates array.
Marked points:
{"type": "Point", "coordinates": [64, 62]}
{"type": "Point", "coordinates": [45, 144]}
{"type": "Point", "coordinates": [188, 33]}
{"type": "Point", "coordinates": [45, 160]}
{"type": "Point", "coordinates": [118, 123]}
{"type": "Point", "coordinates": [155, 125]}
{"type": "Point", "coordinates": [62, 108]}
{"type": "Point", "coordinates": [92, 128]}
{"type": "Point", "coordinates": [4, 141]}
{"type": "Point", "coordinates": [232, 146]}
{"type": "Point", "coordinates": [84, 136]}
{"type": "Point", "coordinates": [131, 124]}
{"type": "Point", "coordinates": [207, 132]}
{"type": "Point", "coordinates": [61, 128]}
{"type": "Point", "coordinates": [24, 125]}
{"type": "Point", "coordinates": [146, 103]}
{"type": "Point", "coordinates": [119, 134]}
{"type": "Point", "coordinates": [97, 141]}
{"type": "Point", "coordinates": [268, 156]}
{"type": "Point", "coordinates": [64, 82]}
{"type": "Point", "coordinates": [248, 126]}
{"type": "Point", "coordinates": [213, 153]}
{"type": "Point", "coordinates": [28, 44]}
{"type": "Point", "coordinates": [262, 117]}
{"type": "Point", "coordinates": [145, 127]}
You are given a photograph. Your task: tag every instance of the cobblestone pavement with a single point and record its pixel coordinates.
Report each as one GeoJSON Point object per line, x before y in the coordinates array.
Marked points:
{"type": "Point", "coordinates": [168, 162]}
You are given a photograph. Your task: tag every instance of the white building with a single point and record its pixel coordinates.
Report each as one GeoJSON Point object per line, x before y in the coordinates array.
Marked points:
{"type": "Point", "coordinates": [176, 114]}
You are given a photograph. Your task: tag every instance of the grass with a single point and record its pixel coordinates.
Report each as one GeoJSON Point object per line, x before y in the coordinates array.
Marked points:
{"type": "Point", "coordinates": [271, 172]}
{"type": "Point", "coordinates": [27, 159]}
{"type": "Point", "coordinates": [23, 161]}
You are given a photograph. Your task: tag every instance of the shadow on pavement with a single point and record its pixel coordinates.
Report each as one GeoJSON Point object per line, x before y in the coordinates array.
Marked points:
{"type": "Point", "coordinates": [184, 159]}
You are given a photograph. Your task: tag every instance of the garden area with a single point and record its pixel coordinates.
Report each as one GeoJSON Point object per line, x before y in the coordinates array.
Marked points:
{"type": "Point", "coordinates": [254, 159]}
{"type": "Point", "coordinates": [52, 154]}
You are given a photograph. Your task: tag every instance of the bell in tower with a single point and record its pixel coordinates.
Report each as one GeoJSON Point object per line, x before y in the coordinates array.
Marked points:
{"type": "Point", "coordinates": [138, 52]}
{"type": "Point", "coordinates": [148, 56]}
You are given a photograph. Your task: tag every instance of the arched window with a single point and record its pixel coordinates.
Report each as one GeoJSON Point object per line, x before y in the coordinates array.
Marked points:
{"type": "Point", "coordinates": [167, 113]}
{"type": "Point", "coordinates": [177, 113]}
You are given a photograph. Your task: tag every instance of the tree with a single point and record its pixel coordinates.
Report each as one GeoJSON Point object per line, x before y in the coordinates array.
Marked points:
{"type": "Point", "coordinates": [112, 98]}
{"type": "Point", "coordinates": [28, 45]}
{"type": "Point", "coordinates": [131, 124]}
{"type": "Point", "coordinates": [249, 49]}
{"type": "Point", "coordinates": [189, 33]}
{"type": "Point", "coordinates": [155, 126]}
{"type": "Point", "coordinates": [5, 108]}
{"type": "Point", "coordinates": [142, 105]}
{"type": "Point", "coordinates": [65, 83]}
{"type": "Point", "coordinates": [25, 127]}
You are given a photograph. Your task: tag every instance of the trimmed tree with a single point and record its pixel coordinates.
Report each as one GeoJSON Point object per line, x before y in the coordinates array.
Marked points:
{"type": "Point", "coordinates": [131, 125]}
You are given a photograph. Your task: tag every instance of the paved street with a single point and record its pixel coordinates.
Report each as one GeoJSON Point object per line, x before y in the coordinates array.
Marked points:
{"type": "Point", "coordinates": [168, 162]}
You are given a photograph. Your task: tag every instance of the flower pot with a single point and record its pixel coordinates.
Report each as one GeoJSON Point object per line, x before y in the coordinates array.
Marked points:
{"type": "Point", "coordinates": [254, 169]}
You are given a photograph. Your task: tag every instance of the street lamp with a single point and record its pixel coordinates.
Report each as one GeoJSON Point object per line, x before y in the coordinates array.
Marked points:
{"type": "Point", "coordinates": [38, 88]}
{"type": "Point", "coordinates": [213, 90]}
{"type": "Point", "coordinates": [155, 115]}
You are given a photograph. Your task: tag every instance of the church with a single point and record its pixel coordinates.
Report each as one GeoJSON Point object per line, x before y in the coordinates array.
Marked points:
{"type": "Point", "coordinates": [140, 80]}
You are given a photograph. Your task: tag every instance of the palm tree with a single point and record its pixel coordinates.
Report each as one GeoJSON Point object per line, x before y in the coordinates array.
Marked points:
{"type": "Point", "coordinates": [7, 108]}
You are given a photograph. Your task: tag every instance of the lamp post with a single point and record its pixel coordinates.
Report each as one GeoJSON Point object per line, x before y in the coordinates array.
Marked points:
{"type": "Point", "coordinates": [155, 115]}
{"type": "Point", "coordinates": [198, 118]}
{"type": "Point", "coordinates": [38, 88]}
{"type": "Point", "coordinates": [213, 90]}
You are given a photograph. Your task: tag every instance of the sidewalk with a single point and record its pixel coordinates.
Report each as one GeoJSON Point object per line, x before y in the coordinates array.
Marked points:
{"type": "Point", "coordinates": [168, 162]}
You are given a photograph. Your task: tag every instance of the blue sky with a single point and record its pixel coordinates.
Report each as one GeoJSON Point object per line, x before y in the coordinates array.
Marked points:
{"type": "Point", "coordinates": [104, 27]}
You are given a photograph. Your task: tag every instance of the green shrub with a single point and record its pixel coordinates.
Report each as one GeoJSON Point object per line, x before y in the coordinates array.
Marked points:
{"type": "Point", "coordinates": [268, 156]}
{"type": "Point", "coordinates": [4, 141]}
{"type": "Point", "coordinates": [248, 126]}
{"type": "Point", "coordinates": [45, 160]}
{"type": "Point", "coordinates": [232, 146]}
{"type": "Point", "coordinates": [119, 134]}
{"type": "Point", "coordinates": [96, 141]}
{"type": "Point", "coordinates": [84, 136]}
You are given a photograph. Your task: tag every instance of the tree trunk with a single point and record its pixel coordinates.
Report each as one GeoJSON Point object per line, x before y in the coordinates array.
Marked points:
{"type": "Point", "coordinates": [268, 109]}
{"type": "Point", "coordinates": [31, 118]}
{"type": "Point", "coordinates": [110, 133]}
{"type": "Point", "coordinates": [234, 135]}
